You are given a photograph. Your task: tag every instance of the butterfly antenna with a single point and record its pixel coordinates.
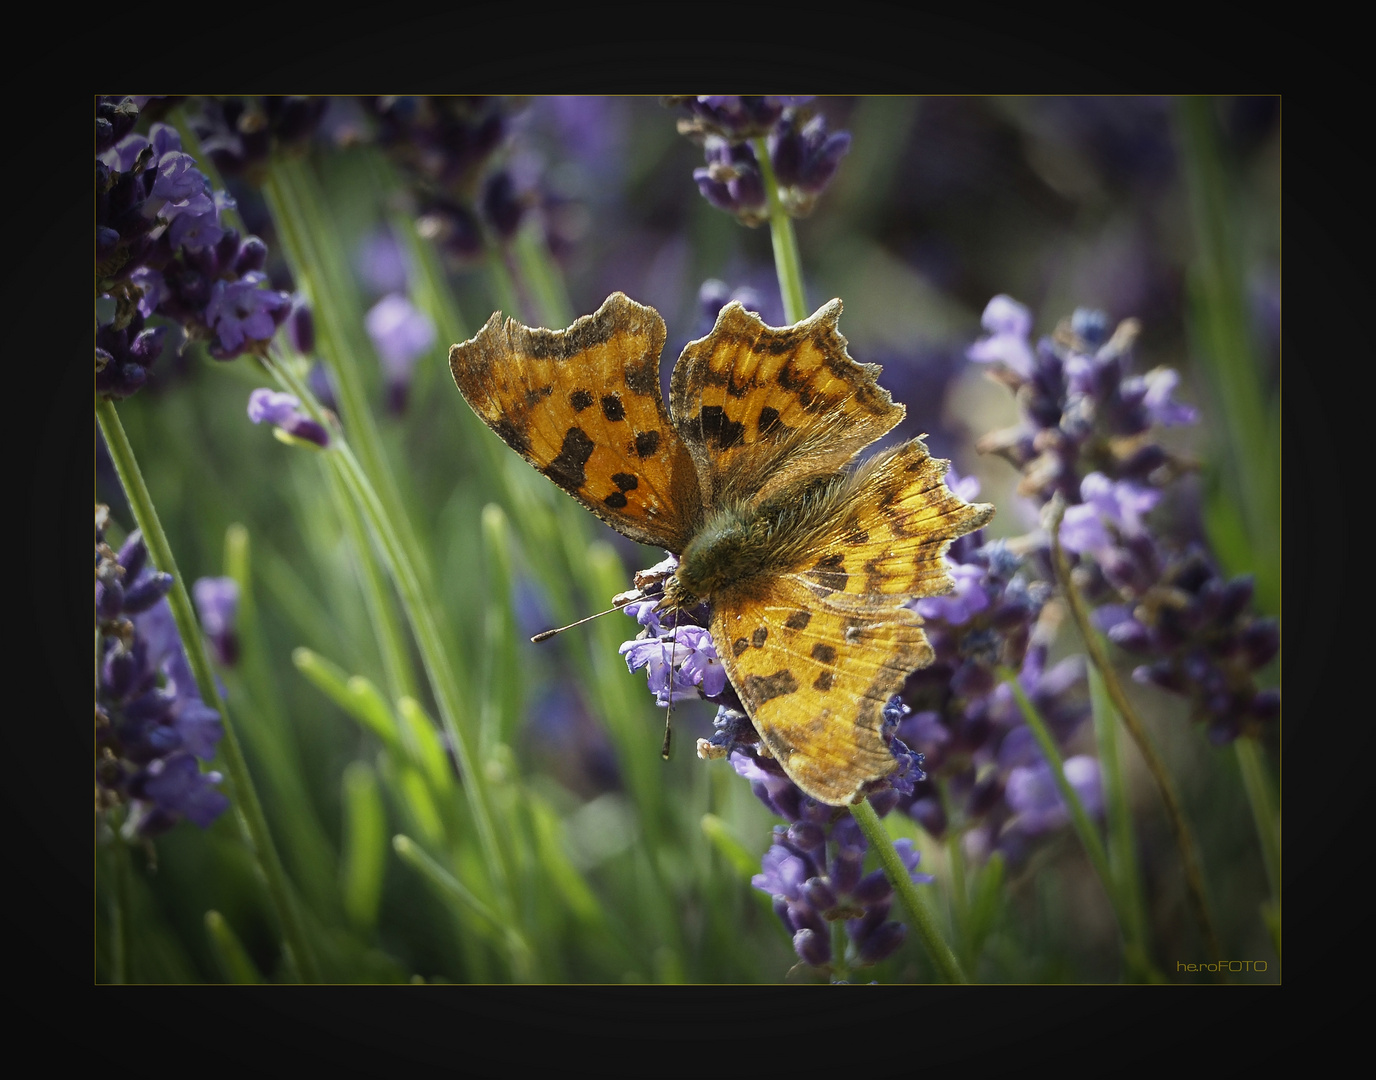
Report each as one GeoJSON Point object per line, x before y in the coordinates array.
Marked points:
{"type": "Point", "coordinates": [545, 635]}
{"type": "Point", "coordinates": [669, 708]}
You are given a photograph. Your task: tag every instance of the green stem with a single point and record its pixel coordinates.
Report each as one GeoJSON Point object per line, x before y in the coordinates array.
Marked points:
{"type": "Point", "coordinates": [787, 263]}
{"type": "Point", "coordinates": [1122, 851]}
{"type": "Point", "coordinates": [1084, 828]}
{"type": "Point", "coordinates": [1175, 815]}
{"type": "Point", "coordinates": [396, 665]}
{"type": "Point", "coordinates": [960, 896]}
{"type": "Point", "coordinates": [416, 605]}
{"type": "Point", "coordinates": [542, 277]}
{"type": "Point", "coordinates": [308, 238]}
{"type": "Point", "coordinates": [241, 792]}
{"type": "Point", "coordinates": [920, 918]}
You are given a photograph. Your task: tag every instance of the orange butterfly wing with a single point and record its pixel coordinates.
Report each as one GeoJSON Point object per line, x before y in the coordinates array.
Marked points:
{"type": "Point", "coordinates": [761, 407]}
{"type": "Point", "coordinates": [584, 406]}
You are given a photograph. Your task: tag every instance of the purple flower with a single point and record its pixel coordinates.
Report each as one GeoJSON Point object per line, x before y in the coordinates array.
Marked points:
{"type": "Point", "coordinates": [967, 599]}
{"type": "Point", "coordinates": [178, 179]}
{"type": "Point", "coordinates": [734, 117]}
{"type": "Point", "coordinates": [300, 326]}
{"type": "Point", "coordinates": [124, 356]}
{"type": "Point", "coordinates": [1008, 324]}
{"type": "Point", "coordinates": [284, 410]}
{"type": "Point", "coordinates": [174, 787]}
{"type": "Point", "coordinates": [243, 315]}
{"type": "Point", "coordinates": [811, 891]}
{"type": "Point", "coordinates": [664, 658]}
{"type": "Point", "coordinates": [702, 667]}
{"type": "Point", "coordinates": [217, 603]}
{"type": "Point", "coordinates": [805, 160]}
{"type": "Point", "coordinates": [1085, 436]}
{"type": "Point", "coordinates": [804, 156]}
{"type": "Point", "coordinates": [151, 724]}
{"type": "Point", "coordinates": [731, 181]}
{"type": "Point", "coordinates": [381, 263]}
{"type": "Point", "coordinates": [1160, 384]}
{"type": "Point", "coordinates": [1036, 801]}
{"type": "Point", "coordinates": [195, 224]}
{"type": "Point", "coordinates": [162, 250]}
{"type": "Point", "coordinates": [401, 333]}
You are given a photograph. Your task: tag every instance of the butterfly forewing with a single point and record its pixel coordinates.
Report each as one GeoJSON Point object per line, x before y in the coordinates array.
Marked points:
{"type": "Point", "coordinates": [761, 407]}
{"type": "Point", "coordinates": [584, 406]}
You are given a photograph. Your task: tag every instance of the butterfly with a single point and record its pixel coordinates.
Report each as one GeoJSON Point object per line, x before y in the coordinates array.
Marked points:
{"type": "Point", "coordinates": [807, 560]}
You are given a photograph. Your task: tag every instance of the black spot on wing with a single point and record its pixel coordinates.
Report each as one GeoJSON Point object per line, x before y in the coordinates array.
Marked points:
{"type": "Point", "coordinates": [534, 395]}
{"type": "Point", "coordinates": [874, 574]}
{"type": "Point", "coordinates": [791, 379]}
{"type": "Point", "coordinates": [566, 469]}
{"type": "Point", "coordinates": [580, 400]}
{"type": "Point", "coordinates": [824, 680]}
{"type": "Point", "coordinates": [830, 572]}
{"type": "Point", "coordinates": [612, 408]}
{"type": "Point", "coordinates": [616, 500]}
{"type": "Point", "coordinates": [776, 344]}
{"type": "Point", "coordinates": [824, 653]}
{"type": "Point", "coordinates": [798, 620]}
{"type": "Point", "coordinates": [768, 420]}
{"type": "Point", "coordinates": [738, 389]}
{"type": "Point", "coordinates": [759, 637]}
{"type": "Point", "coordinates": [762, 688]}
{"type": "Point", "coordinates": [739, 646]}
{"type": "Point", "coordinates": [716, 428]}
{"type": "Point", "coordinates": [646, 443]}
{"type": "Point", "coordinates": [625, 481]}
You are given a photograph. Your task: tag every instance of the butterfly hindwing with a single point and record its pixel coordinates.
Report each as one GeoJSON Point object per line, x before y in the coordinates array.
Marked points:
{"type": "Point", "coordinates": [762, 407]}
{"type": "Point", "coordinates": [584, 406]}
{"type": "Point", "coordinates": [816, 652]}
{"type": "Point", "coordinates": [814, 671]}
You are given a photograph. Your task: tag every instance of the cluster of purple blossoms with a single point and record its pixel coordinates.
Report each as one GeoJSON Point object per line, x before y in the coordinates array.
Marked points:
{"type": "Point", "coordinates": [814, 870]}
{"type": "Point", "coordinates": [152, 728]}
{"type": "Point", "coordinates": [804, 156]}
{"type": "Point", "coordinates": [1083, 409]}
{"type": "Point", "coordinates": [447, 147]}
{"type": "Point", "coordinates": [810, 887]}
{"type": "Point", "coordinates": [1086, 435]}
{"type": "Point", "coordinates": [239, 133]}
{"type": "Point", "coordinates": [161, 249]}
{"type": "Point", "coordinates": [985, 765]}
